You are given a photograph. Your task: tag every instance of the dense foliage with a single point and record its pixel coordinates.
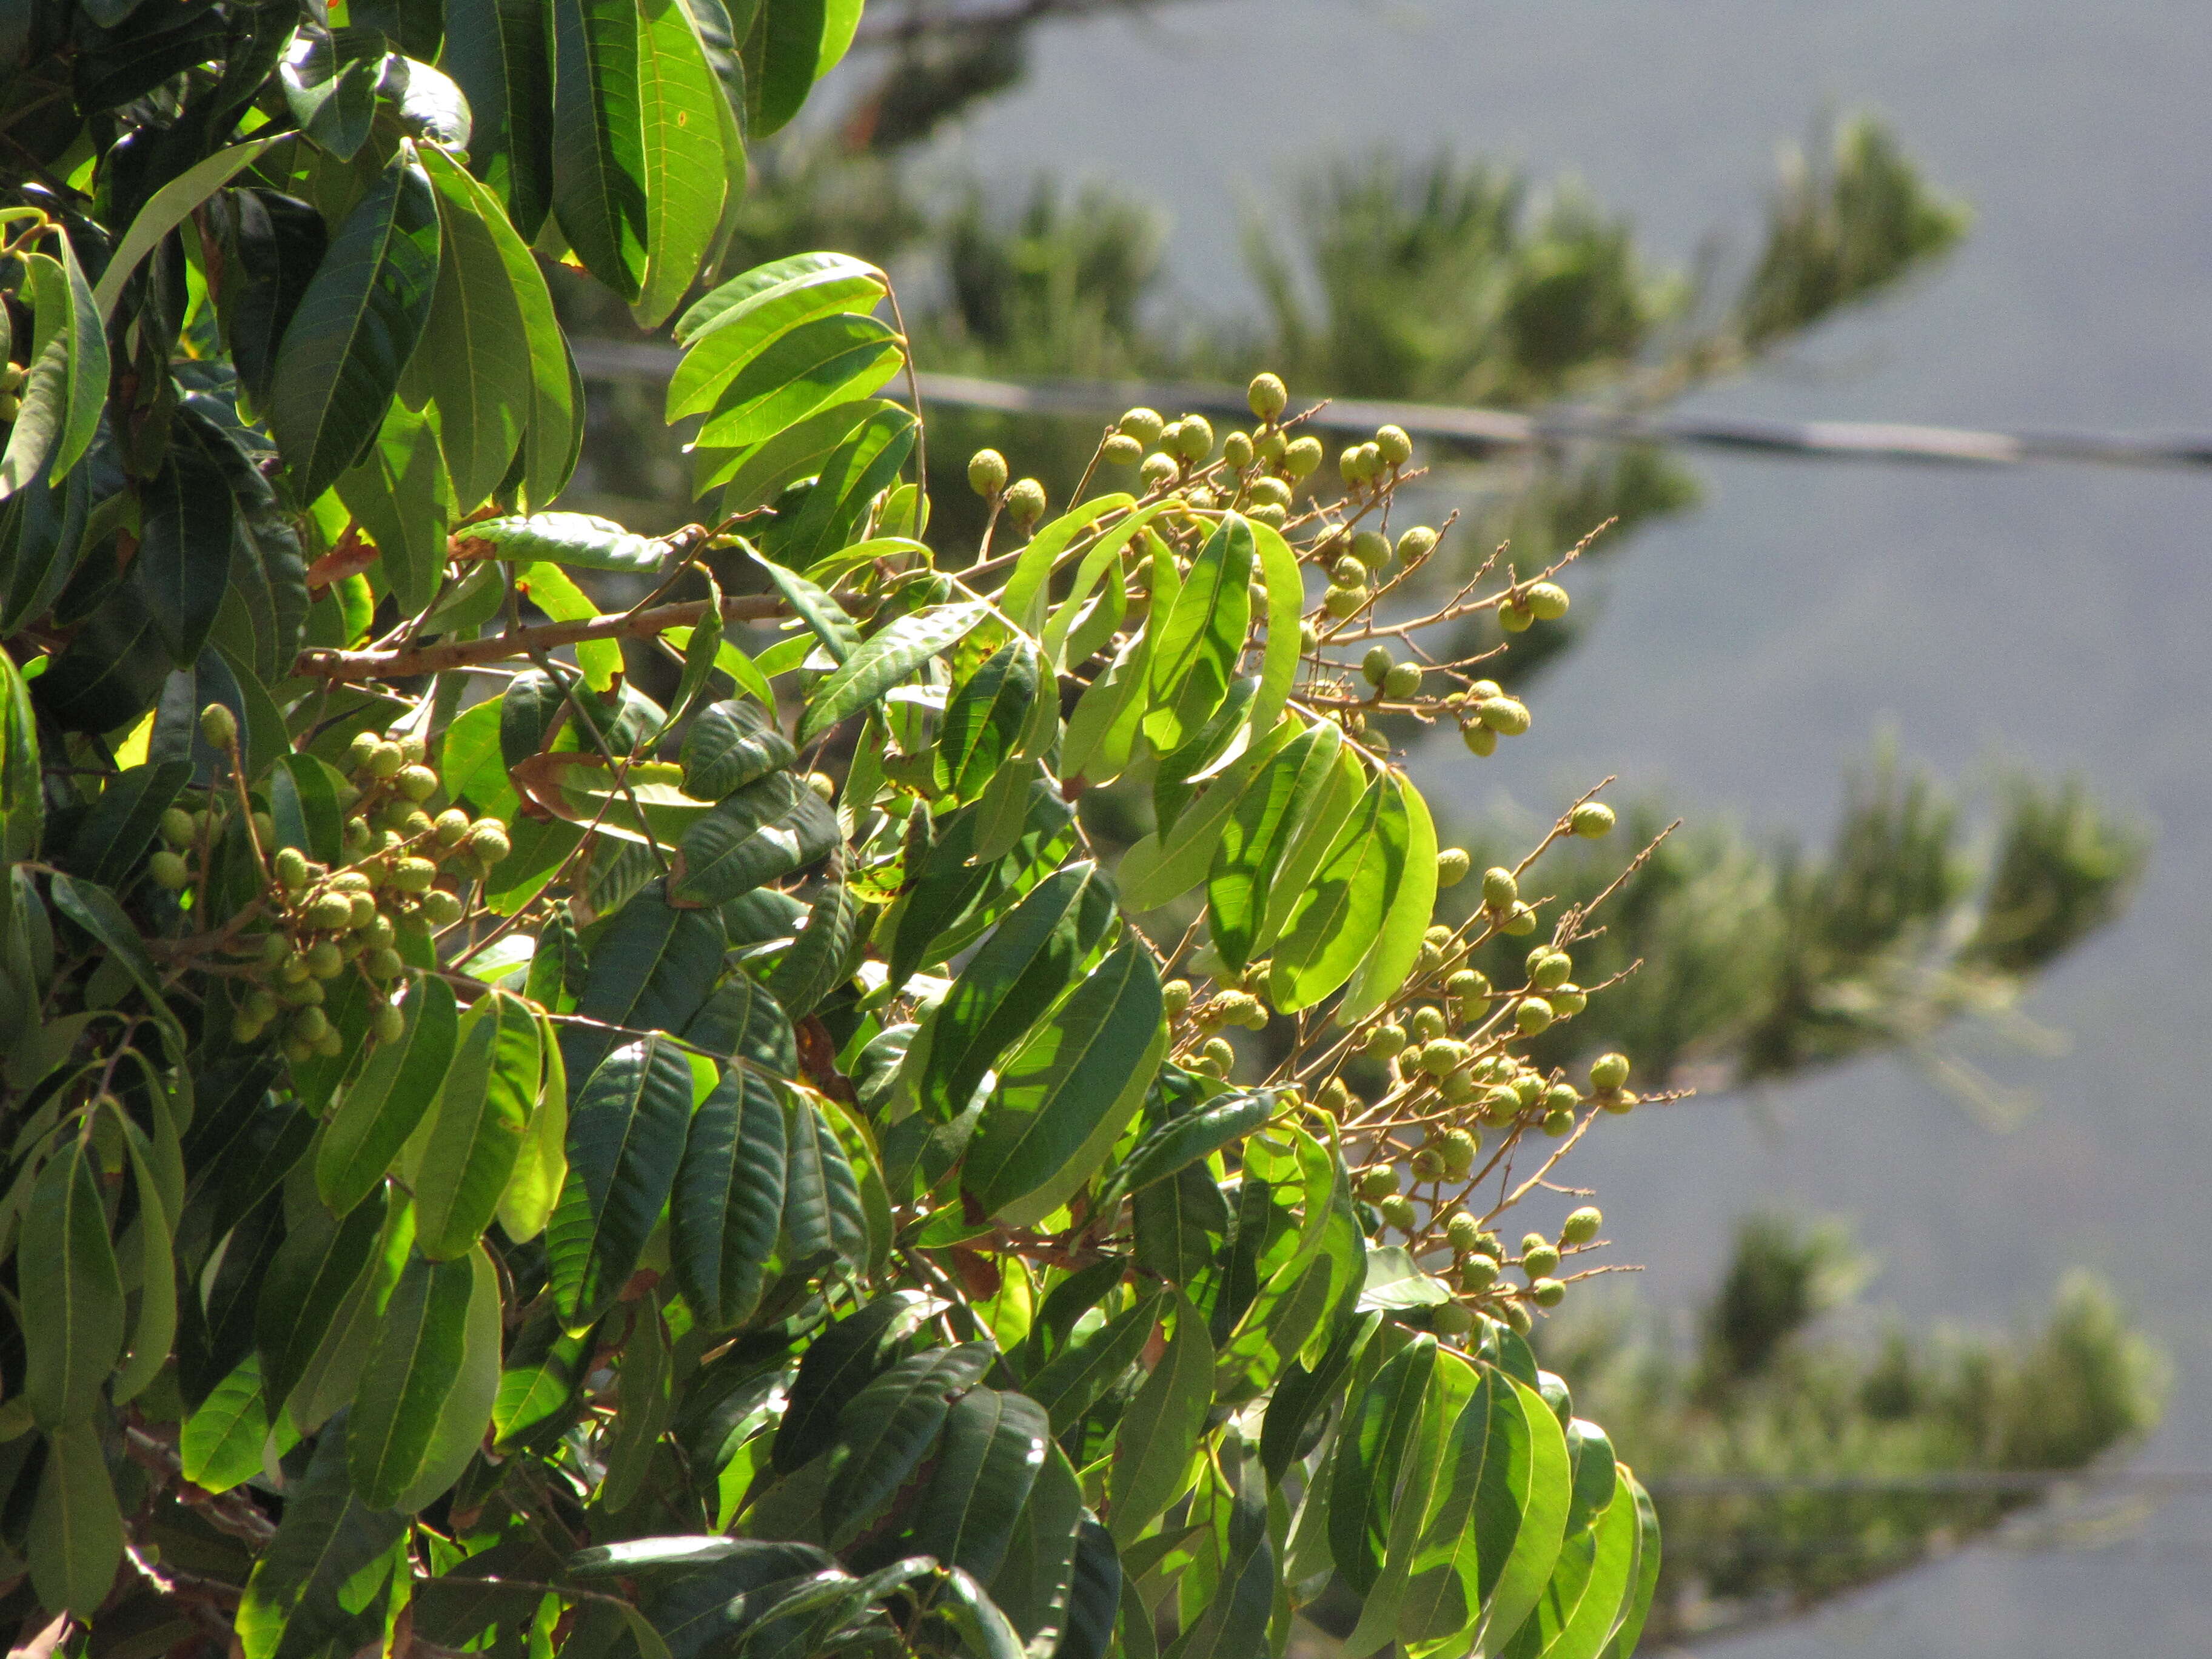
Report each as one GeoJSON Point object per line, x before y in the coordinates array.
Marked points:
{"type": "Point", "coordinates": [498, 1161]}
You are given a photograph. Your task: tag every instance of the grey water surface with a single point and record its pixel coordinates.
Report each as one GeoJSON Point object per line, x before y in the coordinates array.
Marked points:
{"type": "Point", "coordinates": [1748, 650]}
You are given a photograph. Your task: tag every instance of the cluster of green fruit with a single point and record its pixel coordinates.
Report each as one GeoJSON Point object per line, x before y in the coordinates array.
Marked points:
{"type": "Point", "coordinates": [12, 377]}
{"type": "Point", "coordinates": [326, 920]}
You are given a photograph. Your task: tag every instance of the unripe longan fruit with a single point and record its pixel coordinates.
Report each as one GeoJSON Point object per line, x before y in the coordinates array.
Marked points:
{"type": "Point", "coordinates": [1462, 1230]}
{"type": "Point", "coordinates": [1397, 1211]}
{"type": "Point", "coordinates": [1561, 1097]}
{"type": "Point", "coordinates": [1271, 492]}
{"type": "Point", "coordinates": [1547, 1292]}
{"type": "Point", "coordinates": [1515, 618]}
{"type": "Point", "coordinates": [1268, 513]}
{"type": "Point", "coordinates": [1568, 999]}
{"type": "Point", "coordinates": [1348, 572]}
{"type": "Point", "coordinates": [1428, 1165]}
{"type": "Point", "coordinates": [1236, 451]}
{"type": "Point", "coordinates": [414, 875]}
{"type": "Point", "coordinates": [1344, 601]}
{"type": "Point", "coordinates": [986, 472]}
{"type": "Point", "coordinates": [364, 744]}
{"type": "Point", "coordinates": [1452, 866]}
{"type": "Point", "coordinates": [1520, 921]}
{"type": "Point", "coordinates": [218, 725]}
{"type": "Point", "coordinates": [259, 1005]}
{"type": "Point", "coordinates": [1537, 1256]}
{"type": "Point", "coordinates": [1609, 1072]}
{"type": "Point", "coordinates": [1416, 544]}
{"type": "Point", "coordinates": [1393, 445]}
{"type": "Point", "coordinates": [1479, 739]}
{"type": "Point", "coordinates": [488, 841]}
{"type": "Point", "coordinates": [383, 963]}
{"type": "Point", "coordinates": [440, 909]}
{"type": "Point", "coordinates": [308, 1024]}
{"type": "Point", "coordinates": [1303, 457]}
{"type": "Point", "coordinates": [1581, 1226]}
{"type": "Point", "coordinates": [1383, 1041]}
{"type": "Point", "coordinates": [325, 959]}
{"type": "Point", "coordinates": [1620, 1103]}
{"type": "Point", "coordinates": [1158, 470]}
{"type": "Point", "coordinates": [1145, 425]}
{"type": "Point", "coordinates": [1468, 982]}
{"type": "Point", "coordinates": [1449, 1319]}
{"type": "Point", "coordinates": [1458, 1087]}
{"type": "Point", "coordinates": [330, 910]}
{"type": "Point", "coordinates": [1377, 1181]}
{"type": "Point", "coordinates": [1459, 1148]}
{"type": "Point", "coordinates": [448, 828]}
{"type": "Point", "coordinates": [1268, 396]}
{"type": "Point", "coordinates": [1500, 887]}
{"type": "Point", "coordinates": [1194, 439]}
{"type": "Point", "coordinates": [243, 1029]}
{"type": "Point", "coordinates": [1026, 502]}
{"type": "Point", "coordinates": [379, 932]}
{"type": "Point", "coordinates": [1428, 1023]}
{"type": "Point", "coordinates": [1371, 547]}
{"type": "Point", "coordinates": [1534, 1015]}
{"type": "Point", "coordinates": [298, 1050]}
{"type": "Point", "coordinates": [356, 836]}
{"type": "Point", "coordinates": [417, 783]}
{"type": "Point", "coordinates": [1527, 1088]}
{"type": "Point", "coordinates": [176, 826]}
{"type": "Point", "coordinates": [1375, 667]}
{"type": "Point", "coordinates": [169, 869]}
{"type": "Point", "coordinates": [1442, 1054]}
{"type": "Point", "coordinates": [1548, 968]}
{"type": "Point", "coordinates": [1121, 450]}
{"type": "Point", "coordinates": [1591, 819]}
{"type": "Point", "coordinates": [1403, 681]}
{"type": "Point", "coordinates": [1558, 1123]}
{"type": "Point", "coordinates": [1352, 465]}
{"type": "Point", "coordinates": [1175, 997]}
{"type": "Point", "coordinates": [1500, 1105]}
{"type": "Point", "coordinates": [1507, 715]}
{"type": "Point", "coordinates": [1547, 601]}
{"type": "Point", "coordinates": [1218, 1050]}
{"type": "Point", "coordinates": [1477, 1274]}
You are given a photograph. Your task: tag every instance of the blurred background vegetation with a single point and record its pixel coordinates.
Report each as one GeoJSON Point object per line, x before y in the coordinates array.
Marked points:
{"type": "Point", "coordinates": [1447, 279]}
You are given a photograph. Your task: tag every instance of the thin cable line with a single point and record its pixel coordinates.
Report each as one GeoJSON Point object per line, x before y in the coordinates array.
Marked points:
{"type": "Point", "coordinates": [2175, 1482]}
{"type": "Point", "coordinates": [1478, 432]}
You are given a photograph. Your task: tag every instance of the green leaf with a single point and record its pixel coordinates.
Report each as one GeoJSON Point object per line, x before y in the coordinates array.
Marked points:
{"type": "Point", "coordinates": [1637, 1603]}
{"type": "Point", "coordinates": [421, 1343]}
{"type": "Point", "coordinates": [1311, 841]}
{"type": "Point", "coordinates": [158, 1171]}
{"type": "Point", "coordinates": [184, 557]}
{"type": "Point", "coordinates": [792, 45]}
{"type": "Point", "coordinates": [499, 52]}
{"type": "Point", "coordinates": [1034, 955]}
{"type": "Point", "coordinates": [822, 957]}
{"type": "Point", "coordinates": [1023, 597]}
{"type": "Point", "coordinates": [70, 1288]}
{"type": "Point", "coordinates": [576, 539]}
{"type": "Point", "coordinates": [1590, 1588]}
{"type": "Point", "coordinates": [22, 794]}
{"type": "Point", "coordinates": [321, 1258]}
{"type": "Point", "coordinates": [330, 1558]}
{"type": "Point", "coordinates": [1170, 1146]}
{"type": "Point", "coordinates": [742, 1021]}
{"type": "Point", "coordinates": [1302, 1394]}
{"type": "Point", "coordinates": [993, 1445]}
{"type": "Point", "coordinates": [385, 1100]}
{"type": "Point", "coordinates": [115, 834]}
{"type": "Point", "coordinates": [168, 208]}
{"type": "Point", "coordinates": [75, 1534]}
{"type": "Point", "coordinates": [542, 1373]}
{"type": "Point", "coordinates": [823, 1210]}
{"type": "Point", "coordinates": [1197, 648]}
{"type": "Point", "coordinates": [1268, 815]}
{"type": "Point", "coordinates": [643, 1418]}
{"type": "Point", "coordinates": [474, 357]}
{"type": "Point", "coordinates": [822, 613]}
{"type": "Point", "coordinates": [1162, 866]}
{"type": "Point", "coordinates": [1160, 1430]}
{"type": "Point", "coordinates": [626, 1135]}
{"type": "Point", "coordinates": [1492, 1534]}
{"type": "Point", "coordinates": [729, 746]}
{"type": "Point", "coordinates": [1335, 922]}
{"type": "Point", "coordinates": [844, 1357]}
{"type": "Point", "coordinates": [303, 804]}
{"type": "Point", "coordinates": [466, 1410]}
{"type": "Point", "coordinates": [652, 970]}
{"type": "Point", "coordinates": [470, 1144]}
{"type": "Point", "coordinates": [67, 384]}
{"type": "Point", "coordinates": [984, 720]}
{"type": "Point", "coordinates": [725, 330]}
{"type": "Point", "coordinates": [1370, 1446]}
{"type": "Point", "coordinates": [1034, 1585]}
{"type": "Point", "coordinates": [822, 362]}
{"type": "Point", "coordinates": [767, 831]}
{"type": "Point", "coordinates": [1103, 728]}
{"type": "Point", "coordinates": [883, 660]}
{"type": "Point", "coordinates": [1278, 663]}
{"type": "Point", "coordinates": [221, 1444]}
{"type": "Point", "coordinates": [1234, 1620]}
{"type": "Point", "coordinates": [526, 1203]}
{"type": "Point", "coordinates": [1073, 1380]}
{"type": "Point", "coordinates": [356, 328]}
{"type": "Point", "coordinates": [1422, 1477]}
{"type": "Point", "coordinates": [887, 1429]}
{"type": "Point", "coordinates": [685, 173]}
{"type": "Point", "coordinates": [726, 1206]}
{"type": "Point", "coordinates": [1069, 1091]}
{"type": "Point", "coordinates": [1412, 905]}
{"type": "Point", "coordinates": [399, 494]}
{"type": "Point", "coordinates": [599, 141]}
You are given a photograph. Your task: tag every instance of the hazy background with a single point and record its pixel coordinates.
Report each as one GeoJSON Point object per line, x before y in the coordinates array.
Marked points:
{"type": "Point", "coordinates": [1749, 650]}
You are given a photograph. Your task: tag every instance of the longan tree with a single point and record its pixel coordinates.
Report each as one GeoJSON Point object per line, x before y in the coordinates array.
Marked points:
{"type": "Point", "coordinates": [498, 1161]}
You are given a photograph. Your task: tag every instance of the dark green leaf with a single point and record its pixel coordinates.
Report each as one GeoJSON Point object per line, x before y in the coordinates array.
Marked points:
{"type": "Point", "coordinates": [1235, 1621]}
{"type": "Point", "coordinates": [984, 719]}
{"type": "Point", "coordinates": [399, 494]}
{"type": "Point", "coordinates": [821, 613]}
{"type": "Point", "coordinates": [769, 829]}
{"type": "Point", "coordinates": [756, 476]}
{"type": "Point", "coordinates": [726, 1206]}
{"type": "Point", "coordinates": [723, 331]}
{"type": "Point", "coordinates": [626, 1138]}
{"type": "Point", "coordinates": [1094, 1596]}
{"type": "Point", "coordinates": [330, 78]}
{"type": "Point", "coordinates": [280, 242]}
{"type": "Point", "coordinates": [469, 1146]}
{"type": "Point", "coordinates": [499, 50]}
{"type": "Point", "coordinates": [1033, 1584]}
{"type": "Point", "coordinates": [1199, 640]}
{"type": "Point", "coordinates": [822, 1204]}
{"type": "Point", "coordinates": [883, 660]}
{"type": "Point", "coordinates": [327, 1560]}
{"type": "Point", "coordinates": [1336, 920]}
{"type": "Point", "coordinates": [316, 1266]}
{"type": "Point", "coordinates": [356, 328]}
{"type": "Point", "coordinates": [730, 744]}
{"type": "Point", "coordinates": [184, 558]}
{"type": "Point", "coordinates": [1183, 1140]}
{"type": "Point", "coordinates": [70, 1289]}
{"type": "Point", "coordinates": [852, 476]}
{"type": "Point", "coordinates": [383, 1104]}
{"type": "Point", "coordinates": [76, 1528]}
{"type": "Point", "coordinates": [221, 1440]}
{"type": "Point", "coordinates": [417, 1361]}
{"type": "Point", "coordinates": [823, 361]}
{"type": "Point", "coordinates": [1303, 1395]}
{"type": "Point", "coordinates": [994, 1445]}
{"type": "Point", "coordinates": [1068, 1092]}
{"type": "Point", "coordinates": [1072, 1381]}
{"type": "Point", "coordinates": [686, 172]}
{"type": "Point", "coordinates": [742, 1021]}
{"type": "Point", "coordinates": [1370, 1443]}
{"type": "Point", "coordinates": [822, 957]}
{"type": "Point", "coordinates": [1267, 817]}
{"type": "Point", "coordinates": [115, 834]}
{"type": "Point", "coordinates": [844, 1358]}
{"type": "Point", "coordinates": [1181, 1224]}
{"type": "Point", "coordinates": [576, 539]}
{"type": "Point", "coordinates": [653, 969]}
{"type": "Point", "coordinates": [887, 1429]}
{"type": "Point", "coordinates": [303, 804]}
{"type": "Point", "coordinates": [1158, 1432]}
{"type": "Point", "coordinates": [598, 161]}
{"type": "Point", "coordinates": [792, 45]}
{"type": "Point", "coordinates": [474, 358]}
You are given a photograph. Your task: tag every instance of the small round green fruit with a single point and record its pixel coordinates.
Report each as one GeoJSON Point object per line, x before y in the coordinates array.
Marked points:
{"type": "Point", "coordinates": [218, 725]}
{"type": "Point", "coordinates": [1402, 682]}
{"type": "Point", "coordinates": [986, 472]}
{"type": "Point", "coordinates": [1582, 1225]}
{"type": "Point", "coordinates": [1267, 396]}
{"type": "Point", "coordinates": [1592, 819]}
{"type": "Point", "coordinates": [169, 869]}
{"type": "Point", "coordinates": [1452, 866]}
{"type": "Point", "coordinates": [1547, 1292]}
{"type": "Point", "coordinates": [1534, 1015]}
{"type": "Point", "coordinates": [1375, 667]}
{"type": "Point", "coordinates": [1145, 425]}
{"type": "Point", "coordinates": [1547, 600]}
